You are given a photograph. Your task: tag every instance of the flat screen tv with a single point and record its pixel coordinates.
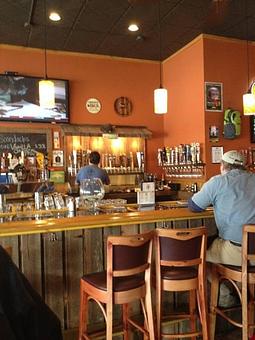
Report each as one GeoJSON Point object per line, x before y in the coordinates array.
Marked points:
{"type": "Point", "coordinates": [19, 100]}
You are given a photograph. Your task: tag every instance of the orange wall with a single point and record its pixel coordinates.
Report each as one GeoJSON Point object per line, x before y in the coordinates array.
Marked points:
{"type": "Point", "coordinates": [225, 61]}
{"type": "Point", "coordinates": [105, 78]}
{"type": "Point", "coordinates": [212, 59]}
{"type": "Point", "coordinates": [183, 77]}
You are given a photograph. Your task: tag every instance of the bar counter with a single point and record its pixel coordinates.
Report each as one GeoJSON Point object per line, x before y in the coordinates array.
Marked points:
{"type": "Point", "coordinates": [50, 225]}
{"type": "Point", "coordinates": [53, 253]}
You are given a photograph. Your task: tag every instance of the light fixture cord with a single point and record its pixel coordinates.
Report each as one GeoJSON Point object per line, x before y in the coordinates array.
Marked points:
{"type": "Point", "coordinates": [160, 46]}
{"type": "Point", "coordinates": [247, 46]}
{"type": "Point", "coordinates": [45, 42]}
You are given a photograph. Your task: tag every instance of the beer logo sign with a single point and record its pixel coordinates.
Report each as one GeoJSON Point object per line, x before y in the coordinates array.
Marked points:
{"type": "Point", "coordinates": [93, 105]}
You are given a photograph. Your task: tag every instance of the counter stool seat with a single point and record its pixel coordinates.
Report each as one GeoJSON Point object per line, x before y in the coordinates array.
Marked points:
{"type": "Point", "coordinates": [126, 279]}
{"type": "Point", "coordinates": [234, 269]}
{"type": "Point", "coordinates": [98, 280]}
{"type": "Point", "coordinates": [236, 275]}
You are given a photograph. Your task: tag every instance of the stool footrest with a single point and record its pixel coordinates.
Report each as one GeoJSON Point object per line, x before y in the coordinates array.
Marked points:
{"type": "Point", "coordinates": [180, 335]}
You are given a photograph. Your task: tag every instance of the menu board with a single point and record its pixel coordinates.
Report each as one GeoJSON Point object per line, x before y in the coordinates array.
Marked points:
{"type": "Point", "coordinates": [252, 128]}
{"type": "Point", "coordinates": [30, 143]}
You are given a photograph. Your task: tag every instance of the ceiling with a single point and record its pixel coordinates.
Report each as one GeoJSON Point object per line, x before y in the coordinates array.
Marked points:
{"type": "Point", "coordinates": [100, 26]}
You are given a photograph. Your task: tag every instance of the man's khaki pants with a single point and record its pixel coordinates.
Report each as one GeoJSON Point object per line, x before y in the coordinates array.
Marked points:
{"type": "Point", "coordinates": [223, 251]}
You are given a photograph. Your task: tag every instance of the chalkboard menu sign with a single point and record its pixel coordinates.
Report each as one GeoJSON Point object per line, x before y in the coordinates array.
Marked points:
{"type": "Point", "coordinates": [30, 143]}
{"type": "Point", "coordinates": [252, 128]}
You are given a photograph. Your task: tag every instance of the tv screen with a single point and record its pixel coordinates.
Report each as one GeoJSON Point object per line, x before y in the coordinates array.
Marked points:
{"type": "Point", "coordinates": [19, 100]}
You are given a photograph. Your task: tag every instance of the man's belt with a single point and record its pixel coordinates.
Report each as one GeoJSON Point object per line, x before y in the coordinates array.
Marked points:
{"type": "Point", "coordinates": [235, 244]}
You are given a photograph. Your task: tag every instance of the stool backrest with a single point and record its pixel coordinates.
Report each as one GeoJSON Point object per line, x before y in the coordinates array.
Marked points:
{"type": "Point", "coordinates": [248, 245]}
{"type": "Point", "coordinates": [128, 255]}
{"type": "Point", "coordinates": [181, 247]}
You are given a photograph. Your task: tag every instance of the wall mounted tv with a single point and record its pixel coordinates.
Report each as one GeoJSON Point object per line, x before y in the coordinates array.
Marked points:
{"type": "Point", "coordinates": [19, 100]}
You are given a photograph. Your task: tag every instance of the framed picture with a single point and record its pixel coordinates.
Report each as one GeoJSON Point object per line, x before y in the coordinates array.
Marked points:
{"type": "Point", "coordinates": [213, 133]}
{"type": "Point", "coordinates": [56, 140]}
{"type": "Point", "coordinates": [213, 97]}
{"type": "Point", "coordinates": [217, 152]}
{"type": "Point", "coordinates": [58, 158]}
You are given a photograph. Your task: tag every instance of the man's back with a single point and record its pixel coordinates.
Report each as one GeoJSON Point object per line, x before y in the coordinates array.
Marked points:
{"type": "Point", "coordinates": [233, 198]}
{"type": "Point", "coordinates": [92, 171]}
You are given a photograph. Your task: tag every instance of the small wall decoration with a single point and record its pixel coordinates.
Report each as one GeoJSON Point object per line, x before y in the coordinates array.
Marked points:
{"type": "Point", "coordinates": [58, 158]}
{"type": "Point", "coordinates": [123, 106]}
{"type": "Point", "coordinates": [56, 140]}
{"type": "Point", "coordinates": [217, 153]}
{"type": "Point", "coordinates": [93, 105]}
{"type": "Point", "coordinates": [213, 97]}
{"type": "Point", "coordinates": [213, 133]}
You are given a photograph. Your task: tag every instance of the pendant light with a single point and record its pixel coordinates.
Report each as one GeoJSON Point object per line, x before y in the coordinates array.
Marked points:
{"type": "Point", "coordinates": [248, 98]}
{"type": "Point", "coordinates": [46, 86]}
{"type": "Point", "coordinates": [160, 94]}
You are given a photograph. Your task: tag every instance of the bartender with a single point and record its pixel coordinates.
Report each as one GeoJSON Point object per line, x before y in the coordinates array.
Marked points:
{"type": "Point", "coordinates": [93, 170]}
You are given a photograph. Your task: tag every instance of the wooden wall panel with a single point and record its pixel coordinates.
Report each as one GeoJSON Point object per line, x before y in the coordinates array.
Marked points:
{"type": "Point", "coordinates": [52, 267]}
{"type": "Point", "coordinates": [93, 261]}
{"type": "Point", "coordinates": [13, 243]}
{"type": "Point", "coordinates": [31, 260]}
{"type": "Point", "coordinates": [55, 262]}
{"type": "Point", "coordinates": [74, 271]}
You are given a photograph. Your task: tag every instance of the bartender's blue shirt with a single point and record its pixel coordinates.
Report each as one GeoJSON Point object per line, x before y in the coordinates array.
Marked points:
{"type": "Point", "coordinates": [92, 171]}
{"type": "Point", "coordinates": [233, 198]}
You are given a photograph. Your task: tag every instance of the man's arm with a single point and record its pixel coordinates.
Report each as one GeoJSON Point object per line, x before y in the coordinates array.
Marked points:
{"type": "Point", "coordinates": [205, 197]}
{"type": "Point", "coordinates": [193, 206]}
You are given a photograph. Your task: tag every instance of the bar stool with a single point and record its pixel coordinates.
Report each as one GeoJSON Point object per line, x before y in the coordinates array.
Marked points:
{"type": "Point", "coordinates": [126, 279]}
{"type": "Point", "coordinates": [180, 266]}
{"type": "Point", "coordinates": [245, 275]}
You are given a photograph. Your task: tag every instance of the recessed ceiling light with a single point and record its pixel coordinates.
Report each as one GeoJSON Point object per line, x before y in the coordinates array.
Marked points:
{"type": "Point", "coordinates": [54, 16]}
{"type": "Point", "coordinates": [133, 28]}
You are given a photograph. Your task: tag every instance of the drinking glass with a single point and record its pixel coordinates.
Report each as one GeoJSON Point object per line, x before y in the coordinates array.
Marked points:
{"type": "Point", "coordinates": [92, 190]}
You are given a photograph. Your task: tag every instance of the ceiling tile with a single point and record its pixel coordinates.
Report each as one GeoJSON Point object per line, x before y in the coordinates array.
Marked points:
{"type": "Point", "coordinates": [100, 26]}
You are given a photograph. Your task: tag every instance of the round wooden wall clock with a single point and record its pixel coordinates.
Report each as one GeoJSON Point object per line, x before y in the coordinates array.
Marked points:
{"type": "Point", "coordinates": [123, 106]}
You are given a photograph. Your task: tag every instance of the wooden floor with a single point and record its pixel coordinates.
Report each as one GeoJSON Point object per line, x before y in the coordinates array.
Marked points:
{"type": "Point", "coordinates": [233, 335]}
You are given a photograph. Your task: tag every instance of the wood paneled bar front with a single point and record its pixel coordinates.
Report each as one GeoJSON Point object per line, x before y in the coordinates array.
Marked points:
{"type": "Point", "coordinates": [53, 253]}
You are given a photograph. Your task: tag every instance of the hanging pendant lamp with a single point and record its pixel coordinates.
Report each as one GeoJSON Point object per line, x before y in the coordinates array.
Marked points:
{"type": "Point", "coordinates": [160, 101]}
{"type": "Point", "coordinates": [249, 97]}
{"type": "Point", "coordinates": [160, 94]}
{"type": "Point", "coordinates": [46, 86]}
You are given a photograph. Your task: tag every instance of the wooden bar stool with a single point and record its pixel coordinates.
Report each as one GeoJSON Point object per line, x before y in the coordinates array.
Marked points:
{"type": "Point", "coordinates": [180, 266]}
{"type": "Point", "coordinates": [244, 275]}
{"type": "Point", "coordinates": [126, 279]}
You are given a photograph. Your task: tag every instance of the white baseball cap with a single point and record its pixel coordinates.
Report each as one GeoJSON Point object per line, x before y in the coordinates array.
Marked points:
{"type": "Point", "coordinates": [233, 157]}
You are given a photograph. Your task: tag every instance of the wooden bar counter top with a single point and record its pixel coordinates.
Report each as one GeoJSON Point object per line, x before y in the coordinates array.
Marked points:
{"type": "Point", "coordinates": [49, 225]}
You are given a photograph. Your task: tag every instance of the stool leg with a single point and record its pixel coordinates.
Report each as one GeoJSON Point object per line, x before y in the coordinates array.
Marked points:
{"type": "Point", "coordinates": [192, 311]}
{"type": "Point", "coordinates": [245, 311]}
{"type": "Point", "coordinates": [83, 313]}
{"type": "Point", "coordinates": [203, 311]}
{"type": "Point", "coordinates": [158, 309]}
{"type": "Point", "coordinates": [149, 312]}
{"type": "Point", "coordinates": [109, 317]}
{"type": "Point", "coordinates": [125, 321]}
{"type": "Point", "coordinates": [251, 307]}
{"type": "Point", "coordinates": [214, 301]}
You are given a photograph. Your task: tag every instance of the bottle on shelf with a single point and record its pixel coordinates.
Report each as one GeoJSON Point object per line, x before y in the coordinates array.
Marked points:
{"type": "Point", "coordinates": [183, 160]}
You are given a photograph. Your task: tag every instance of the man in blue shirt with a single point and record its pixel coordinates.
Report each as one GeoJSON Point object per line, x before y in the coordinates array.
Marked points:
{"type": "Point", "coordinates": [232, 194]}
{"type": "Point", "coordinates": [92, 170]}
